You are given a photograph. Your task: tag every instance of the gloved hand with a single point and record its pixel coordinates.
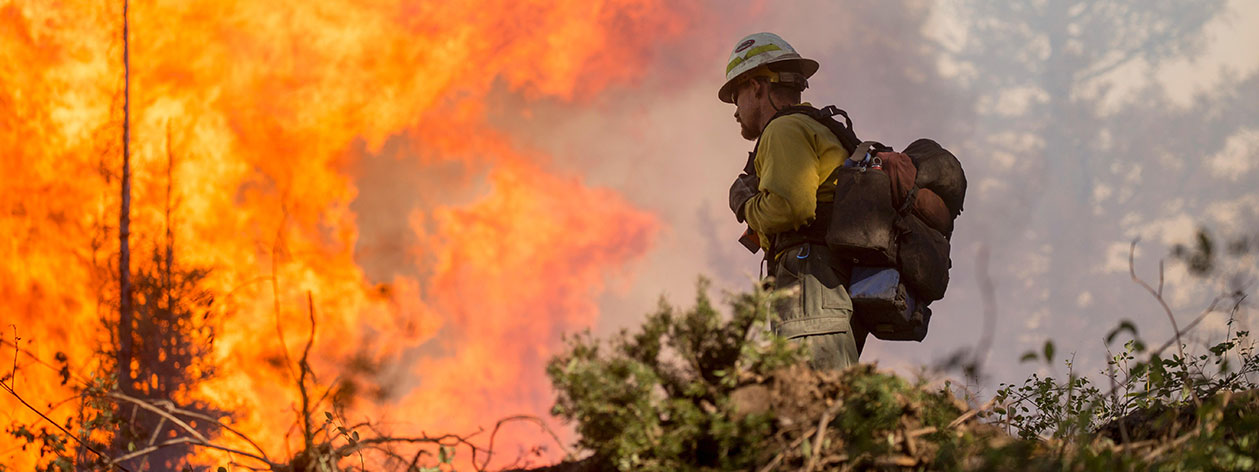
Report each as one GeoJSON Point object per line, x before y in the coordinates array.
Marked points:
{"type": "Point", "coordinates": [743, 189]}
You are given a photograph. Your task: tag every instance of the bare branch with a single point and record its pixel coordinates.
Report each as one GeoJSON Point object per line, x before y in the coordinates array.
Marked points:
{"type": "Point", "coordinates": [1211, 308]}
{"type": "Point", "coordinates": [821, 435]}
{"type": "Point", "coordinates": [157, 430]}
{"type": "Point", "coordinates": [165, 404]}
{"type": "Point", "coordinates": [39, 361]}
{"type": "Point", "coordinates": [153, 448]}
{"type": "Point", "coordinates": [971, 413]}
{"type": "Point", "coordinates": [125, 335]}
{"type": "Point", "coordinates": [489, 451]}
{"type": "Point", "coordinates": [235, 451]}
{"type": "Point", "coordinates": [275, 288]}
{"type": "Point", "coordinates": [415, 460]}
{"type": "Point", "coordinates": [1158, 295]}
{"type": "Point", "coordinates": [443, 440]}
{"type": "Point", "coordinates": [16, 342]}
{"type": "Point", "coordinates": [773, 463]}
{"type": "Point", "coordinates": [328, 391]}
{"type": "Point", "coordinates": [62, 428]}
{"type": "Point", "coordinates": [193, 442]}
{"type": "Point", "coordinates": [147, 406]}
{"type": "Point", "coordinates": [988, 289]}
{"type": "Point", "coordinates": [223, 426]}
{"type": "Point", "coordinates": [304, 366]}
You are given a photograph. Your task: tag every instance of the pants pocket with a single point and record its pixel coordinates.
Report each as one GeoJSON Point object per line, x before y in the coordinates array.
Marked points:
{"type": "Point", "coordinates": [821, 304]}
{"type": "Point", "coordinates": [826, 286]}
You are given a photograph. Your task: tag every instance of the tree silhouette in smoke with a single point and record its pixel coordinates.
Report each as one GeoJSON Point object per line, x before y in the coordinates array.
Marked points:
{"type": "Point", "coordinates": [173, 341]}
{"type": "Point", "coordinates": [1084, 149]}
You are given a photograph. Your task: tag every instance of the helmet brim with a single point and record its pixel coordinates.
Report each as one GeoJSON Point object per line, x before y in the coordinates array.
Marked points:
{"type": "Point", "coordinates": [807, 67]}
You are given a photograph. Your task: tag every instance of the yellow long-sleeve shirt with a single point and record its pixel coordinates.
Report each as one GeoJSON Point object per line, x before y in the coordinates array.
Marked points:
{"type": "Point", "coordinates": [795, 155]}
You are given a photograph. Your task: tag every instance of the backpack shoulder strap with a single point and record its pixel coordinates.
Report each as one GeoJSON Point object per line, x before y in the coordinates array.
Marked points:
{"type": "Point", "coordinates": [826, 116]}
{"type": "Point", "coordinates": [843, 131]}
{"type": "Point", "coordinates": [750, 167]}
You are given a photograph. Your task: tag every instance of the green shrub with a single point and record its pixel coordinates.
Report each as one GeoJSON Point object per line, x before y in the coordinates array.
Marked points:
{"type": "Point", "coordinates": [691, 390]}
{"type": "Point", "coordinates": [659, 398]}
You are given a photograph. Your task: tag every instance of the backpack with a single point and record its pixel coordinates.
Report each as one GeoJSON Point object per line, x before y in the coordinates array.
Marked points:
{"type": "Point", "coordinates": [900, 263]}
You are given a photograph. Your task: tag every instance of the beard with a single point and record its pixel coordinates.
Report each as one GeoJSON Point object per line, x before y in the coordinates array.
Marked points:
{"type": "Point", "coordinates": [748, 132]}
{"type": "Point", "coordinates": [747, 123]}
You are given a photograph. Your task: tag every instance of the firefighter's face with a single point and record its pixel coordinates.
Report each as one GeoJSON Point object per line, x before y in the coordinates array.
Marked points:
{"type": "Point", "coordinates": [749, 111]}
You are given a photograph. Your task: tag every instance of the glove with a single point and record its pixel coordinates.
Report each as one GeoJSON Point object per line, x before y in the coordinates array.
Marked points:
{"type": "Point", "coordinates": [750, 240]}
{"type": "Point", "coordinates": [743, 189]}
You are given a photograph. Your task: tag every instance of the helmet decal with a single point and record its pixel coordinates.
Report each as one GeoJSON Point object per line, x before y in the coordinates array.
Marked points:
{"type": "Point", "coordinates": [757, 50]}
{"type": "Point", "coordinates": [745, 45]}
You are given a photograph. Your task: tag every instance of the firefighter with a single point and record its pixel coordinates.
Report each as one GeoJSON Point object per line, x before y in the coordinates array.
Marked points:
{"type": "Point", "coordinates": [784, 199]}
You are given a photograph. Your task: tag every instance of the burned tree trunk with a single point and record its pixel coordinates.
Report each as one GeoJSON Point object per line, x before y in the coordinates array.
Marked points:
{"type": "Point", "coordinates": [125, 378]}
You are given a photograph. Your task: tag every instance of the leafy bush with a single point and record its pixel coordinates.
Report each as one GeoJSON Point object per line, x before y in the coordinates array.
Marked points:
{"type": "Point", "coordinates": [661, 397]}
{"type": "Point", "coordinates": [1176, 412]}
{"type": "Point", "coordinates": [690, 390]}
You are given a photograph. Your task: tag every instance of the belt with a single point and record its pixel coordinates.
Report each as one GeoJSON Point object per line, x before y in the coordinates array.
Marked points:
{"type": "Point", "coordinates": [814, 233]}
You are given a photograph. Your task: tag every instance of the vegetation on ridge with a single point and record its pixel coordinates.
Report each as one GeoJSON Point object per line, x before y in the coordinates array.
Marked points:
{"type": "Point", "coordinates": [690, 390]}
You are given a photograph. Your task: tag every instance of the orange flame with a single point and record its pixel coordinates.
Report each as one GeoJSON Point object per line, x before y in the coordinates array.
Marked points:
{"type": "Point", "coordinates": [258, 107]}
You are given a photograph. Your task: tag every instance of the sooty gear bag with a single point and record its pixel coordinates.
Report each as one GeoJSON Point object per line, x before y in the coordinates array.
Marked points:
{"type": "Point", "coordinates": [900, 264]}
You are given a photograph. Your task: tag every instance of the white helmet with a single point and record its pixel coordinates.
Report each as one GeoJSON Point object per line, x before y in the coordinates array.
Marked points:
{"type": "Point", "coordinates": [763, 49]}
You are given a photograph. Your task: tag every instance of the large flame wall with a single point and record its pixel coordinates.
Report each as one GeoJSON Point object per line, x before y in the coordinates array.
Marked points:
{"type": "Point", "coordinates": [259, 106]}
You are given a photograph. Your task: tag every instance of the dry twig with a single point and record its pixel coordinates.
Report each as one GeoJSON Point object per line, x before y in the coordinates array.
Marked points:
{"type": "Point", "coordinates": [9, 388]}
{"type": "Point", "coordinates": [971, 413]}
{"type": "Point", "coordinates": [773, 463]}
{"type": "Point", "coordinates": [821, 435]}
{"type": "Point", "coordinates": [150, 407]}
{"type": "Point", "coordinates": [1158, 295]}
{"type": "Point", "coordinates": [489, 451]}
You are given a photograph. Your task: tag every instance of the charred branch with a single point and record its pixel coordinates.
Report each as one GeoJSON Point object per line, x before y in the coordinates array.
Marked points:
{"type": "Point", "coordinates": [125, 340]}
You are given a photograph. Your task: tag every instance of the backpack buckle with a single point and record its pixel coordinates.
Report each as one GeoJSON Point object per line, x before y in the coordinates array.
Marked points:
{"type": "Point", "coordinates": [831, 110]}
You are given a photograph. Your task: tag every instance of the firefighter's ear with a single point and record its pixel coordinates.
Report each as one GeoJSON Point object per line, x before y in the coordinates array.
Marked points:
{"type": "Point", "coordinates": [760, 87]}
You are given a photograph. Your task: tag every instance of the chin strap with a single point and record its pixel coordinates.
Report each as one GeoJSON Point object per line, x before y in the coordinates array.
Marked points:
{"type": "Point", "coordinates": [773, 105]}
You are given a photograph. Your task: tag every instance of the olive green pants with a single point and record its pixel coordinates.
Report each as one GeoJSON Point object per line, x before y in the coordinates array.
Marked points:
{"type": "Point", "coordinates": [817, 312]}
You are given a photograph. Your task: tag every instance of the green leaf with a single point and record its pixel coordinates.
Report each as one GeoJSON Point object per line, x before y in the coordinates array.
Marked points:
{"type": "Point", "coordinates": [222, 469]}
{"type": "Point", "coordinates": [1139, 369]}
{"type": "Point", "coordinates": [1221, 348]}
{"type": "Point", "coordinates": [1049, 351]}
{"type": "Point", "coordinates": [806, 448]}
{"type": "Point", "coordinates": [328, 414]}
{"type": "Point", "coordinates": [1028, 356]}
{"type": "Point", "coordinates": [441, 455]}
{"type": "Point", "coordinates": [354, 435]}
{"type": "Point", "coordinates": [1124, 325]}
